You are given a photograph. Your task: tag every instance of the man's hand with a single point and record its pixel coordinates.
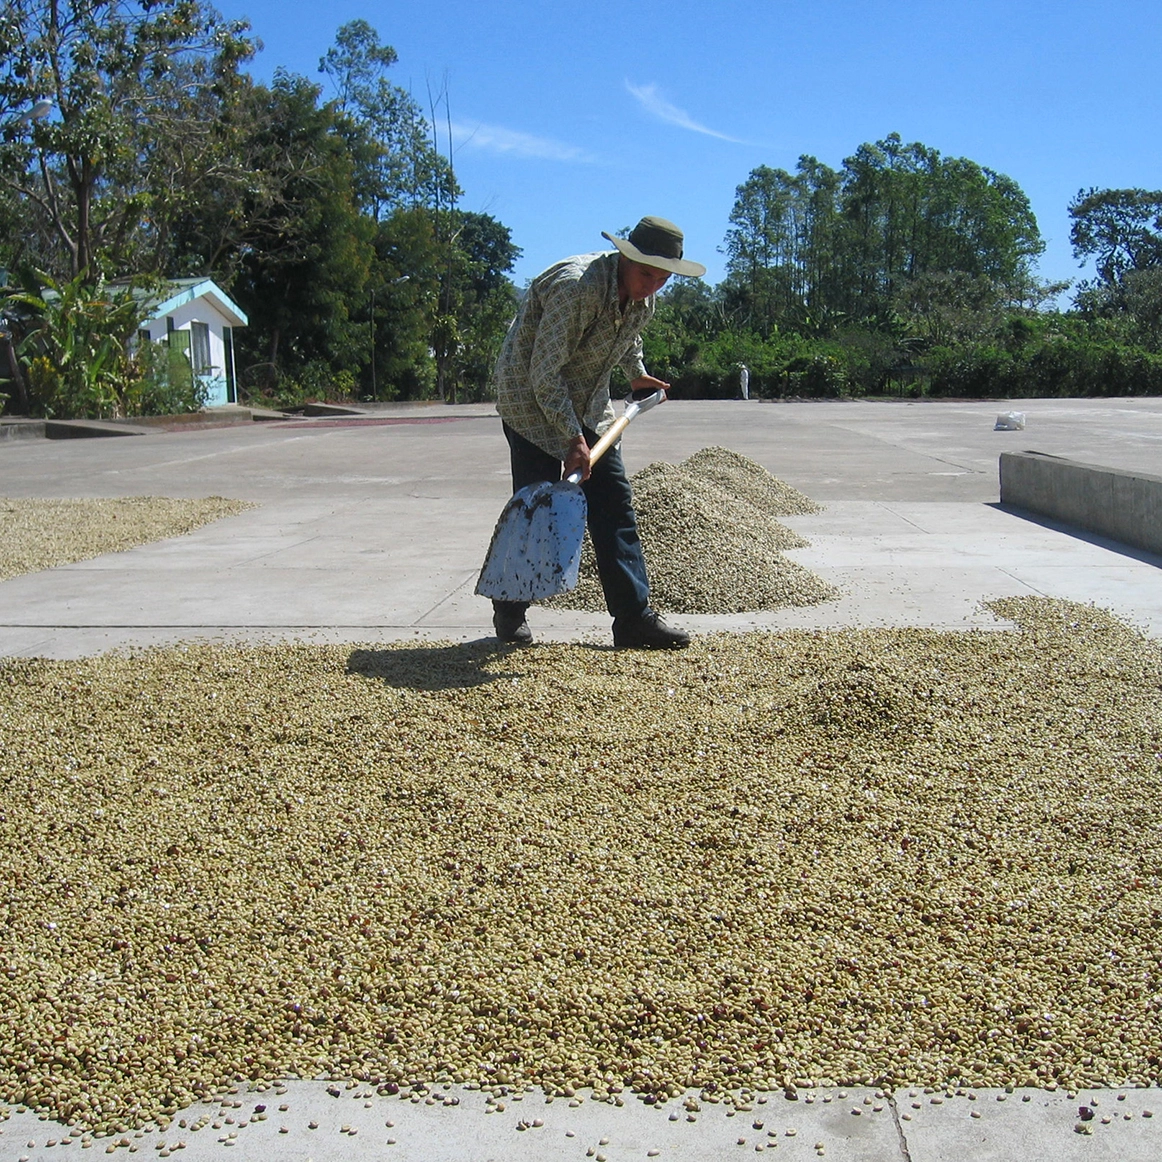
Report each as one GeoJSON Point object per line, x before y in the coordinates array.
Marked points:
{"type": "Point", "coordinates": [577, 458]}
{"type": "Point", "coordinates": [648, 383]}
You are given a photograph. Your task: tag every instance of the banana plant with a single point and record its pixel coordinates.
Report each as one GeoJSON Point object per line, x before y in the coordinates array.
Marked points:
{"type": "Point", "coordinates": [75, 346]}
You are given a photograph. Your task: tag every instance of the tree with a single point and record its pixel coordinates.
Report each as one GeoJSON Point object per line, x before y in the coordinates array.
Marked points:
{"type": "Point", "coordinates": [307, 258]}
{"type": "Point", "coordinates": [485, 299]}
{"type": "Point", "coordinates": [406, 282]}
{"type": "Point", "coordinates": [1121, 230]}
{"type": "Point", "coordinates": [398, 164]}
{"type": "Point", "coordinates": [914, 212]}
{"type": "Point", "coordinates": [1141, 299]}
{"type": "Point", "coordinates": [404, 182]}
{"type": "Point", "coordinates": [820, 248]}
{"type": "Point", "coordinates": [823, 257]}
{"type": "Point", "coordinates": [763, 244]}
{"type": "Point", "coordinates": [690, 313]}
{"type": "Point", "coordinates": [135, 88]}
{"type": "Point", "coordinates": [941, 309]}
{"type": "Point", "coordinates": [415, 321]}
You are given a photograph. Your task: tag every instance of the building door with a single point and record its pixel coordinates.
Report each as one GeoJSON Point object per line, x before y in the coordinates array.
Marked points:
{"type": "Point", "coordinates": [212, 379]}
{"type": "Point", "coordinates": [228, 350]}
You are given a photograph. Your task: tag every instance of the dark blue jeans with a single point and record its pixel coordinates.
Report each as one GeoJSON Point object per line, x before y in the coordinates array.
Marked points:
{"type": "Point", "coordinates": [612, 523]}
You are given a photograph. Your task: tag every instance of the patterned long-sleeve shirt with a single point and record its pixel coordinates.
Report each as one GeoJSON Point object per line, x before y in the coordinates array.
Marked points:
{"type": "Point", "coordinates": [553, 373]}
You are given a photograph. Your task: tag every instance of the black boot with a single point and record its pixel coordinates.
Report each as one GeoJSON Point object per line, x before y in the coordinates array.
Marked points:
{"type": "Point", "coordinates": [647, 632]}
{"type": "Point", "coordinates": [508, 617]}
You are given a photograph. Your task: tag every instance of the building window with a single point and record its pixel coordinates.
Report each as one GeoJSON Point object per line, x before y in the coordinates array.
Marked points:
{"type": "Point", "coordinates": [200, 347]}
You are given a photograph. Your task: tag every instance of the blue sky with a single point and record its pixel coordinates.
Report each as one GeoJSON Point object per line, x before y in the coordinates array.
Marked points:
{"type": "Point", "coordinates": [572, 118]}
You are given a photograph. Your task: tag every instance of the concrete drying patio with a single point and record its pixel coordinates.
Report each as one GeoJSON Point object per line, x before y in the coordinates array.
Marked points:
{"type": "Point", "coordinates": [372, 530]}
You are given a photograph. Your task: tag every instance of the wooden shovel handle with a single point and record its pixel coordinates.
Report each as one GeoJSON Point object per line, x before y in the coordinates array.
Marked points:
{"type": "Point", "coordinates": [613, 433]}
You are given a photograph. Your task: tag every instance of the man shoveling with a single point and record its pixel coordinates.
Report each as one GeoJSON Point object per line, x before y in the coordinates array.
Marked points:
{"type": "Point", "coordinates": [581, 318]}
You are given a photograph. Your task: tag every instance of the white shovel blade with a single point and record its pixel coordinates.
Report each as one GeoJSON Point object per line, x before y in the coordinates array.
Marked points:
{"type": "Point", "coordinates": [536, 548]}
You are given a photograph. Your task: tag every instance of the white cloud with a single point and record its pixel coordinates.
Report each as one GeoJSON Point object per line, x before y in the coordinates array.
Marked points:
{"type": "Point", "coordinates": [657, 106]}
{"type": "Point", "coordinates": [513, 143]}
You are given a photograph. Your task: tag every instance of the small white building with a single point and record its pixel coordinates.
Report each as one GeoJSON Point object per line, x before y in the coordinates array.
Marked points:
{"type": "Point", "coordinates": [205, 317]}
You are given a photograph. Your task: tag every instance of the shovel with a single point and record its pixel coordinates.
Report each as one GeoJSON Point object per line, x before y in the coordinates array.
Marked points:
{"type": "Point", "coordinates": [536, 548]}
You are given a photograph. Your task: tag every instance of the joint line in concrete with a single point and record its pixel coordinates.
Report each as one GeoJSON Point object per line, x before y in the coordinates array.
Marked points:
{"type": "Point", "coordinates": [905, 1154]}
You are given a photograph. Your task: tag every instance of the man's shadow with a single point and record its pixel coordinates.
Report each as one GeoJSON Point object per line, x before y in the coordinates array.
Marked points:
{"type": "Point", "coordinates": [451, 667]}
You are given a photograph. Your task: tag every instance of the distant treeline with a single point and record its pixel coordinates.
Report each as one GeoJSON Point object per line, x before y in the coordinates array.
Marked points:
{"type": "Point", "coordinates": [135, 147]}
{"type": "Point", "coordinates": [906, 272]}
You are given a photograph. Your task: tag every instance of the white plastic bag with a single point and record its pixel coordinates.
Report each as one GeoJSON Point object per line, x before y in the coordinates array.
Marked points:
{"type": "Point", "coordinates": [1010, 422]}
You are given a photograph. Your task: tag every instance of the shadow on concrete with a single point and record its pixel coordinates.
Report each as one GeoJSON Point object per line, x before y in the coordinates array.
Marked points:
{"type": "Point", "coordinates": [452, 667]}
{"type": "Point", "coordinates": [1079, 534]}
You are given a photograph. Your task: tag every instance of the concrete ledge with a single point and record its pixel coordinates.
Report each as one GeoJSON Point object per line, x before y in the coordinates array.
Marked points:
{"type": "Point", "coordinates": [1124, 506]}
{"type": "Point", "coordinates": [81, 429]}
{"type": "Point", "coordinates": [208, 418]}
{"type": "Point", "coordinates": [331, 409]}
{"type": "Point", "coordinates": [264, 415]}
{"type": "Point", "coordinates": [19, 428]}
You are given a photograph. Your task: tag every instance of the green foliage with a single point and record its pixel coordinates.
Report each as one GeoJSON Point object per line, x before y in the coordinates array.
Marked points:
{"type": "Point", "coordinates": [334, 223]}
{"type": "Point", "coordinates": [910, 272]}
{"type": "Point", "coordinates": [309, 259]}
{"type": "Point", "coordinates": [75, 346]}
{"type": "Point", "coordinates": [482, 299]}
{"type": "Point", "coordinates": [949, 307]}
{"type": "Point", "coordinates": [397, 164]}
{"type": "Point", "coordinates": [486, 321]}
{"type": "Point", "coordinates": [406, 285]}
{"type": "Point", "coordinates": [714, 371]}
{"type": "Point", "coordinates": [1121, 230]}
{"type": "Point", "coordinates": [442, 303]}
{"type": "Point", "coordinates": [161, 156]}
{"type": "Point", "coordinates": [80, 359]}
{"type": "Point", "coordinates": [976, 371]}
{"type": "Point", "coordinates": [137, 93]}
{"type": "Point", "coordinates": [818, 247]}
{"type": "Point", "coordinates": [315, 383]}
{"type": "Point", "coordinates": [161, 381]}
{"type": "Point", "coordinates": [1049, 366]}
{"type": "Point", "coordinates": [1092, 368]}
{"type": "Point", "coordinates": [781, 366]}
{"type": "Point", "coordinates": [689, 315]}
{"type": "Point", "coordinates": [1140, 303]}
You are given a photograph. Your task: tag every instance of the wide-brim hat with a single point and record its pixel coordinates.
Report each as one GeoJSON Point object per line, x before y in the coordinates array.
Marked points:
{"type": "Point", "coordinates": [657, 243]}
